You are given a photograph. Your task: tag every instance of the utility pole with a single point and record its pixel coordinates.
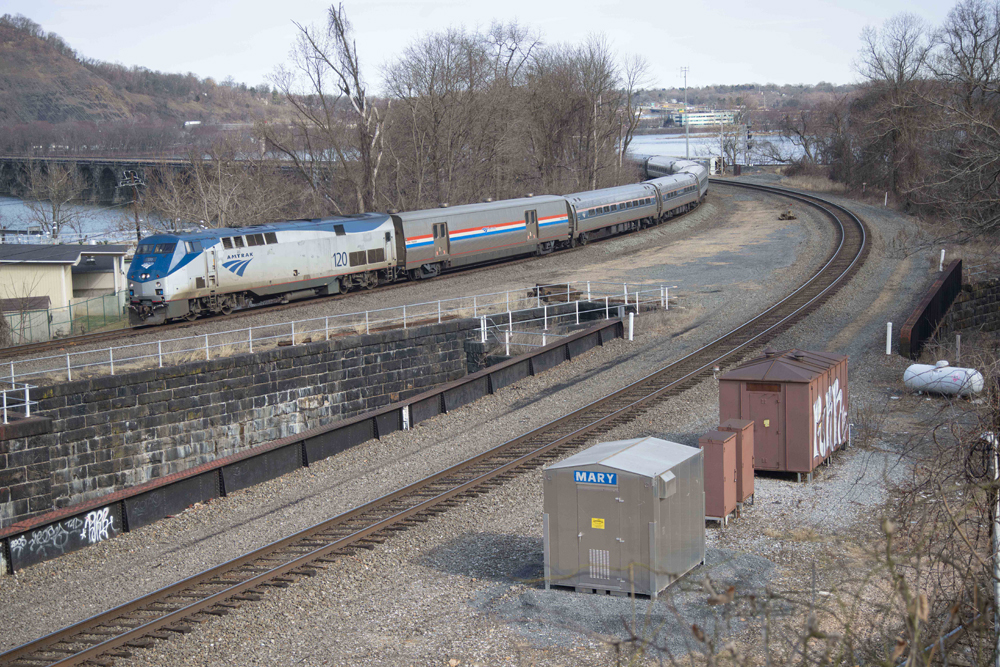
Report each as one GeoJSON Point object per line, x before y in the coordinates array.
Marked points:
{"type": "Point", "coordinates": [687, 145]}
{"type": "Point", "coordinates": [133, 180]}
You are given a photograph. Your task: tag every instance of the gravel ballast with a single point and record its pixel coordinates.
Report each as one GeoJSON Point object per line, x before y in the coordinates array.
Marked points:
{"type": "Point", "coordinates": [464, 586]}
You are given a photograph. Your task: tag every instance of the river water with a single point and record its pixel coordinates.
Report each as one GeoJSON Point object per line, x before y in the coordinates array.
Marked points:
{"type": "Point", "coordinates": [117, 223]}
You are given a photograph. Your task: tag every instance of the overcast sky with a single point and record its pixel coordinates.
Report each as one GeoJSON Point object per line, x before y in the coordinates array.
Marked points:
{"type": "Point", "coordinates": [725, 41]}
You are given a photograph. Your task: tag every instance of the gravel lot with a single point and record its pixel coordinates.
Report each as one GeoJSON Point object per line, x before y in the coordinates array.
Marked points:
{"type": "Point", "coordinates": [464, 586]}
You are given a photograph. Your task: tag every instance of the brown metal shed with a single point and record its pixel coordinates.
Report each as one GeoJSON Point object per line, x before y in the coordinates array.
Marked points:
{"type": "Point", "coordinates": [720, 474]}
{"type": "Point", "coordinates": [743, 428]}
{"type": "Point", "coordinates": [798, 402]}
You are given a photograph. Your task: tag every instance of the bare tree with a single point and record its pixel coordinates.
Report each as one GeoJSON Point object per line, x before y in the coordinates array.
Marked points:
{"type": "Point", "coordinates": [894, 61]}
{"type": "Point", "coordinates": [338, 130]}
{"type": "Point", "coordinates": [962, 114]}
{"type": "Point", "coordinates": [635, 70]}
{"type": "Point", "coordinates": [53, 193]}
{"type": "Point", "coordinates": [229, 184]}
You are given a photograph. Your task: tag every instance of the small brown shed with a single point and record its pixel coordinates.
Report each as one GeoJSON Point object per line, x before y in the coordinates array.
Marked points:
{"type": "Point", "coordinates": [720, 474]}
{"type": "Point", "coordinates": [743, 428]}
{"type": "Point", "coordinates": [798, 403]}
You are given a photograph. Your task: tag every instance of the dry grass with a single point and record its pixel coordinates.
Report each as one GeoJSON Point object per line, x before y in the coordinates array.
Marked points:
{"type": "Point", "coordinates": [815, 183]}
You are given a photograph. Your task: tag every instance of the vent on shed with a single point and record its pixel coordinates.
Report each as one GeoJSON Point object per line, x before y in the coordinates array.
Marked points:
{"type": "Point", "coordinates": [600, 561]}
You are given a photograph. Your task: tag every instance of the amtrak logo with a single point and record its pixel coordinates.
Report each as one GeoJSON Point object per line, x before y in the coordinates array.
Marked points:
{"type": "Point", "coordinates": [590, 477]}
{"type": "Point", "coordinates": [238, 266]}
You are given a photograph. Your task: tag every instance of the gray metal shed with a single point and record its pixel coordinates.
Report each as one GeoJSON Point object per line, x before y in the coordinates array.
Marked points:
{"type": "Point", "coordinates": [623, 514]}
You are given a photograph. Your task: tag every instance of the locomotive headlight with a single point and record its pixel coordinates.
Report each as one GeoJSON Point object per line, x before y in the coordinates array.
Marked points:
{"type": "Point", "coordinates": [157, 283]}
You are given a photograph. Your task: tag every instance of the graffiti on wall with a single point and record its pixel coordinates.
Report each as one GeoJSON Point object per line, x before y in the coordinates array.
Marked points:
{"type": "Point", "coordinates": [829, 420]}
{"type": "Point", "coordinates": [62, 537]}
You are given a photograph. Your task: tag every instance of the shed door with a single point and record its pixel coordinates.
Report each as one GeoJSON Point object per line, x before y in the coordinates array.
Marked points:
{"type": "Point", "coordinates": [599, 529]}
{"type": "Point", "coordinates": [765, 409]}
{"type": "Point", "coordinates": [441, 239]}
{"type": "Point", "coordinates": [531, 224]}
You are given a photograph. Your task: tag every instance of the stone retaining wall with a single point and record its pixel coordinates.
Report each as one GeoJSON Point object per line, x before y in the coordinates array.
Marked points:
{"type": "Point", "coordinates": [113, 432]}
{"type": "Point", "coordinates": [977, 306]}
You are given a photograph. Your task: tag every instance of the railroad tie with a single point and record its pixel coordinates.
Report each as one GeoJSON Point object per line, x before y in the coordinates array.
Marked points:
{"type": "Point", "coordinates": [249, 597]}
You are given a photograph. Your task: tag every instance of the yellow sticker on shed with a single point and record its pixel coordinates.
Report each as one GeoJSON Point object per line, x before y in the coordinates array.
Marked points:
{"type": "Point", "coordinates": [597, 523]}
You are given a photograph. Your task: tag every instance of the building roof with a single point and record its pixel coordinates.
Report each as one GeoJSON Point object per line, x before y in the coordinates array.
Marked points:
{"type": "Point", "coordinates": [54, 254]}
{"type": "Point", "coordinates": [95, 264]}
{"type": "Point", "coordinates": [24, 305]}
{"type": "Point", "coordinates": [788, 366]}
{"type": "Point", "coordinates": [647, 456]}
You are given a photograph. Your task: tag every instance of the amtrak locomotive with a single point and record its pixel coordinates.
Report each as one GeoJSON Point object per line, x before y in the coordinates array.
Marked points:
{"type": "Point", "coordinates": [183, 276]}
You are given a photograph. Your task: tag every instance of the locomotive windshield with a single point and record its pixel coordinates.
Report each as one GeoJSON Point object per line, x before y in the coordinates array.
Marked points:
{"type": "Point", "coordinates": [155, 248]}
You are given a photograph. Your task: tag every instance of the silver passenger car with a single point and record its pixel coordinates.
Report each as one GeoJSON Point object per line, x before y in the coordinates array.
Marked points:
{"type": "Point", "coordinates": [601, 213]}
{"type": "Point", "coordinates": [442, 238]}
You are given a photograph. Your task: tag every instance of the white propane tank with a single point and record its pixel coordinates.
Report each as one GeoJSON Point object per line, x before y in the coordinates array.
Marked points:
{"type": "Point", "coordinates": [943, 379]}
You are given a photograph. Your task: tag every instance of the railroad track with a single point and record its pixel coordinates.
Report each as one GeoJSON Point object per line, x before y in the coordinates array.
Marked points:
{"type": "Point", "coordinates": [179, 608]}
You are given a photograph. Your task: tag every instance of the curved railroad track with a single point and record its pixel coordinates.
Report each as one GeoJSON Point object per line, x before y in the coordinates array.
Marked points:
{"type": "Point", "coordinates": [179, 607]}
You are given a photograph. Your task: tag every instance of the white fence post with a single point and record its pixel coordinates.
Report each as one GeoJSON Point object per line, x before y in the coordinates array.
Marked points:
{"type": "Point", "coordinates": [507, 295]}
{"type": "Point", "coordinates": [250, 338]}
{"type": "Point", "coordinates": [506, 342]}
{"type": "Point", "coordinates": [367, 327]}
{"type": "Point", "coordinates": [941, 263]}
{"type": "Point", "coordinates": [12, 372]}
{"type": "Point", "coordinates": [404, 317]}
{"type": "Point", "coordinates": [439, 311]}
{"type": "Point", "coordinates": [159, 351]}
{"type": "Point", "coordinates": [888, 338]}
{"type": "Point", "coordinates": [293, 332]}
{"type": "Point", "coordinates": [544, 341]}
{"type": "Point", "coordinates": [111, 356]}
{"type": "Point", "coordinates": [538, 297]}
{"type": "Point", "coordinates": [69, 370]}
{"type": "Point", "coordinates": [27, 401]}
{"type": "Point", "coordinates": [482, 329]}
{"type": "Point", "coordinates": [577, 302]}
{"type": "Point", "coordinates": [206, 348]}
{"type": "Point", "coordinates": [475, 308]}
{"type": "Point", "coordinates": [625, 292]}
{"type": "Point", "coordinates": [545, 316]}
{"type": "Point", "coordinates": [607, 310]}
{"type": "Point", "coordinates": [666, 298]}
{"type": "Point", "coordinates": [631, 318]}
{"type": "Point", "coordinates": [588, 290]}
{"type": "Point", "coordinates": [326, 327]}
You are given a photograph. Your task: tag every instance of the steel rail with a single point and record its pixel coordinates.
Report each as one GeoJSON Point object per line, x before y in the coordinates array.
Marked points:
{"type": "Point", "coordinates": [304, 550]}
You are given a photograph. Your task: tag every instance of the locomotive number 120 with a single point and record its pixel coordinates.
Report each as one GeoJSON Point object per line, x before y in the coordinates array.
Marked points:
{"type": "Point", "coordinates": [340, 258]}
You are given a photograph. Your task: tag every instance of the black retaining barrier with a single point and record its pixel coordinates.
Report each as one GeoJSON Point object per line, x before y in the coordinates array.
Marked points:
{"type": "Point", "coordinates": [62, 531]}
{"type": "Point", "coordinates": [925, 319]}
